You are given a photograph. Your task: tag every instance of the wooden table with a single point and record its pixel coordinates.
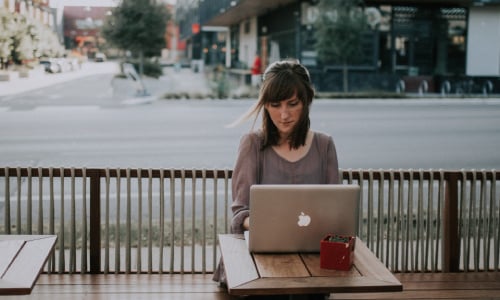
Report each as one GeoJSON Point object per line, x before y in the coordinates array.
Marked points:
{"type": "Point", "coordinates": [299, 273]}
{"type": "Point", "coordinates": [22, 258]}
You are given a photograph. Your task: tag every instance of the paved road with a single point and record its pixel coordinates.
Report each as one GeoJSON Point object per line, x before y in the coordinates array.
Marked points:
{"type": "Point", "coordinates": [192, 134]}
{"type": "Point", "coordinates": [87, 122]}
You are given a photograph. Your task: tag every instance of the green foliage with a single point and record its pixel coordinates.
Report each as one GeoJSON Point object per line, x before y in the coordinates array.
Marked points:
{"type": "Point", "coordinates": [137, 26]}
{"type": "Point", "coordinates": [339, 29]}
{"type": "Point", "coordinates": [5, 34]}
{"type": "Point", "coordinates": [339, 33]}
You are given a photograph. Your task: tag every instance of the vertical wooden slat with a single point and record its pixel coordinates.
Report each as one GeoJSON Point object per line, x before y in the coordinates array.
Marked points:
{"type": "Point", "coordinates": [150, 221]}
{"type": "Point", "coordinates": [19, 208]}
{"type": "Point", "coordinates": [429, 238]}
{"type": "Point", "coordinates": [451, 239]}
{"type": "Point", "coordinates": [128, 225]}
{"type": "Point", "coordinates": [29, 203]}
{"type": "Point", "coordinates": [118, 223]}
{"type": "Point", "coordinates": [226, 201]}
{"type": "Point", "coordinates": [204, 222]}
{"type": "Point", "coordinates": [62, 258]}
{"type": "Point", "coordinates": [438, 233]}
{"type": "Point", "coordinates": [95, 221]}
{"type": "Point", "coordinates": [214, 234]}
{"type": "Point", "coordinates": [183, 217]}
{"type": "Point", "coordinates": [84, 227]}
{"type": "Point", "coordinates": [162, 218]}
{"type": "Point", "coordinates": [172, 220]}
{"type": "Point", "coordinates": [193, 221]}
{"type": "Point", "coordinates": [72, 235]}
{"type": "Point", "coordinates": [7, 202]}
{"type": "Point", "coordinates": [496, 239]}
{"type": "Point", "coordinates": [106, 224]}
{"type": "Point", "coordinates": [52, 262]}
{"type": "Point", "coordinates": [369, 221]}
{"type": "Point", "coordinates": [474, 228]}
{"type": "Point", "coordinates": [40, 201]}
{"type": "Point", "coordinates": [408, 230]}
{"type": "Point", "coordinates": [139, 221]}
{"type": "Point", "coordinates": [399, 221]}
{"type": "Point", "coordinates": [419, 223]}
{"type": "Point", "coordinates": [484, 223]}
{"type": "Point", "coordinates": [380, 215]}
{"type": "Point", "coordinates": [391, 240]}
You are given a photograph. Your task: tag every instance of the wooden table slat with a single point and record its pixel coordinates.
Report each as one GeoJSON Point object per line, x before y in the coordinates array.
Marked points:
{"type": "Point", "coordinates": [312, 260]}
{"type": "Point", "coordinates": [280, 265]}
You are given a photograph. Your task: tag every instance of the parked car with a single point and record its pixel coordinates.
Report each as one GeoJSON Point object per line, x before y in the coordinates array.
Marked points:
{"type": "Point", "coordinates": [51, 65]}
{"type": "Point", "coordinates": [100, 57]}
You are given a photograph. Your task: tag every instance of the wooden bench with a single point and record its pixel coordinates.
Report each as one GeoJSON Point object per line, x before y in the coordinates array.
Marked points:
{"type": "Point", "coordinates": [483, 285]}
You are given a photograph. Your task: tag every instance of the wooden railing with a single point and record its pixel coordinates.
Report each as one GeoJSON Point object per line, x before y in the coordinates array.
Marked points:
{"type": "Point", "coordinates": [149, 221]}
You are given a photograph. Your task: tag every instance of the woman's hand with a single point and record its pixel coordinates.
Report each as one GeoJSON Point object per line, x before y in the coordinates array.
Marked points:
{"type": "Point", "coordinates": [246, 223]}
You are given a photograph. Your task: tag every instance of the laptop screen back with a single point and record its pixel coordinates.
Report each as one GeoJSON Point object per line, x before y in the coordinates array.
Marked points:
{"type": "Point", "coordinates": [295, 217]}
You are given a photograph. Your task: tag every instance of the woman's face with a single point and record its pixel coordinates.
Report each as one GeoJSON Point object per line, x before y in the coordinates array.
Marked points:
{"type": "Point", "coordinates": [285, 114]}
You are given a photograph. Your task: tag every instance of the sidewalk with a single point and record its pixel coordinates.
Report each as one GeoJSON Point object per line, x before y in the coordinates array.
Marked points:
{"type": "Point", "coordinates": [181, 82]}
{"type": "Point", "coordinates": [42, 79]}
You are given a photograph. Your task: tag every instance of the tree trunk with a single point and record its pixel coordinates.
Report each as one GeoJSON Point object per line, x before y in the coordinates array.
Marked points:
{"type": "Point", "coordinates": [141, 63]}
{"type": "Point", "coordinates": [345, 78]}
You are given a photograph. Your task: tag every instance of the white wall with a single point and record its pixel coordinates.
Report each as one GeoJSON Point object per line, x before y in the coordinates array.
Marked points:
{"type": "Point", "coordinates": [248, 42]}
{"type": "Point", "coordinates": [483, 41]}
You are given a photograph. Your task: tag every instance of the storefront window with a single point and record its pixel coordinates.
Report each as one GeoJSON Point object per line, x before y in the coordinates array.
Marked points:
{"type": "Point", "coordinates": [422, 40]}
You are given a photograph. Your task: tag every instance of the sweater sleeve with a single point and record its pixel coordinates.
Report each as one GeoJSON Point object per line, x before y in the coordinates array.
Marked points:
{"type": "Point", "coordinates": [333, 173]}
{"type": "Point", "coordinates": [245, 174]}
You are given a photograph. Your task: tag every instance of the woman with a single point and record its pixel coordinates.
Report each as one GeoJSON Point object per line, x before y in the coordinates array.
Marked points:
{"type": "Point", "coordinates": [285, 150]}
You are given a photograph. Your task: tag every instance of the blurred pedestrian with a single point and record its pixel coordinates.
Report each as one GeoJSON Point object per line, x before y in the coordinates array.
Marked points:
{"type": "Point", "coordinates": [256, 71]}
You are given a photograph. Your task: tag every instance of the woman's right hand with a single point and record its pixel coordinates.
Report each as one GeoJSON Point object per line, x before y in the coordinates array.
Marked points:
{"type": "Point", "coordinates": [246, 223]}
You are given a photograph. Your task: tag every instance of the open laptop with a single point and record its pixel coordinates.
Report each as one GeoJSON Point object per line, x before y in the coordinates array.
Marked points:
{"type": "Point", "coordinates": [294, 218]}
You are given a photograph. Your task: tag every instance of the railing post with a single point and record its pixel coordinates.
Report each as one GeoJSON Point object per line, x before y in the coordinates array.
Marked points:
{"type": "Point", "coordinates": [95, 221]}
{"type": "Point", "coordinates": [451, 239]}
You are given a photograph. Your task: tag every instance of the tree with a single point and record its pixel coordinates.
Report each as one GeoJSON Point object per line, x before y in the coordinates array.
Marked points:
{"type": "Point", "coordinates": [339, 31]}
{"type": "Point", "coordinates": [6, 46]}
{"type": "Point", "coordinates": [138, 26]}
{"type": "Point", "coordinates": [24, 39]}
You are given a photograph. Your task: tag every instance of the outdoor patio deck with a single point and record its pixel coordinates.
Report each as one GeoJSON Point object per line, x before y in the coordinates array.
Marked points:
{"type": "Point", "coordinates": [472, 285]}
{"type": "Point", "coordinates": [437, 231]}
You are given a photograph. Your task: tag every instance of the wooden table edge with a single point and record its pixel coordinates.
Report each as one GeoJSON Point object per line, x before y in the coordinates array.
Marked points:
{"type": "Point", "coordinates": [24, 288]}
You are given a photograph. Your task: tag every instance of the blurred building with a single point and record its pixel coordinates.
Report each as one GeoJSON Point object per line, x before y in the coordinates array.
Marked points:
{"type": "Point", "coordinates": [82, 28]}
{"type": "Point", "coordinates": [39, 10]}
{"type": "Point", "coordinates": [174, 47]}
{"type": "Point", "coordinates": [415, 45]}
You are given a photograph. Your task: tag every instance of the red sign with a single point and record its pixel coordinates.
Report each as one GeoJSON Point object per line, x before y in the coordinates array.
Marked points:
{"type": "Point", "coordinates": [195, 28]}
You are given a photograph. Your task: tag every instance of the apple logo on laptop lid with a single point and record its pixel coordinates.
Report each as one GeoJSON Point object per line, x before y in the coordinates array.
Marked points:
{"type": "Point", "coordinates": [304, 220]}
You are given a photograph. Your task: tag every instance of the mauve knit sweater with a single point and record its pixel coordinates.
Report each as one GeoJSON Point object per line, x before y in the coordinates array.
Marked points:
{"type": "Point", "coordinates": [254, 166]}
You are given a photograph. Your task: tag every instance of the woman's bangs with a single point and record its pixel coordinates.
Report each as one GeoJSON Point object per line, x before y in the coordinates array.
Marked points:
{"type": "Point", "coordinates": [281, 88]}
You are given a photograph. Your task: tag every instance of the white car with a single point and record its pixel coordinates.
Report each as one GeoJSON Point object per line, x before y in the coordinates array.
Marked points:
{"type": "Point", "coordinates": [100, 57]}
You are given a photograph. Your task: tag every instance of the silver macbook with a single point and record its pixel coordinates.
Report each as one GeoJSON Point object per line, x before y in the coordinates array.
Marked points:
{"type": "Point", "coordinates": [294, 218]}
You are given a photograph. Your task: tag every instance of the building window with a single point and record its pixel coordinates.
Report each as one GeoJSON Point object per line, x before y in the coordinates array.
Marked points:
{"type": "Point", "coordinates": [246, 27]}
